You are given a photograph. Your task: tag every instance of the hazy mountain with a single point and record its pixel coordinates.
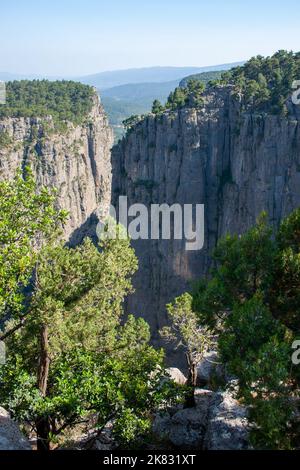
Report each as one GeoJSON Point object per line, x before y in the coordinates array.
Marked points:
{"type": "Point", "coordinates": [122, 101]}
{"type": "Point", "coordinates": [8, 76]}
{"type": "Point", "coordinates": [146, 75]}
{"type": "Point", "coordinates": [144, 93]}
{"type": "Point", "coordinates": [114, 78]}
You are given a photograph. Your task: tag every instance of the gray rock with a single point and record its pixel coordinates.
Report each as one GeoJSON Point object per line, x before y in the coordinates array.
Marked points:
{"type": "Point", "coordinates": [176, 375]}
{"type": "Point", "coordinates": [11, 437]}
{"type": "Point", "coordinates": [77, 163]}
{"type": "Point", "coordinates": [209, 365]}
{"type": "Point", "coordinates": [228, 426]}
{"type": "Point", "coordinates": [203, 398]}
{"type": "Point", "coordinates": [217, 422]}
{"type": "Point", "coordinates": [235, 163]}
{"type": "Point", "coordinates": [186, 427]}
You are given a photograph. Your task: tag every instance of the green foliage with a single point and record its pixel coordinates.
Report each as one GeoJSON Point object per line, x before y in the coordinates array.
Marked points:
{"type": "Point", "coordinates": [241, 272]}
{"type": "Point", "coordinates": [195, 89]}
{"type": "Point", "coordinates": [194, 339]}
{"type": "Point", "coordinates": [5, 139]}
{"type": "Point", "coordinates": [114, 385]}
{"type": "Point", "coordinates": [63, 100]}
{"type": "Point", "coordinates": [26, 217]}
{"type": "Point", "coordinates": [72, 356]}
{"type": "Point", "coordinates": [157, 107]}
{"type": "Point", "coordinates": [177, 99]}
{"type": "Point", "coordinates": [204, 77]}
{"type": "Point", "coordinates": [265, 82]}
{"type": "Point", "coordinates": [132, 121]}
{"type": "Point", "coordinates": [253, 302]}
{"type": "Point", "coordinates": [285, 291]}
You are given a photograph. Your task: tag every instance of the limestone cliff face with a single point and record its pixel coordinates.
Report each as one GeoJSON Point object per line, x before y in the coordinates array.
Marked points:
{"type": "Point", "coordinates": [236, 164]}
{"type": "Point", "coordinates": [76, 162]}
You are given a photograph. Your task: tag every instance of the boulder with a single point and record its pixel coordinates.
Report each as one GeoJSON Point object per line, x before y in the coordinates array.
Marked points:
{"type": "Point", "coordinates": [217, 422]}
{"type": "Point", "coordinates": [161, 426]}
{"type": "Point", "coordinates": [228, 426]}
{"type": "Point", "coordinates": [11, 437]}
{"type": "Point", "coordinates": [186, 428]}
{"type": "Point", "coordinates": [176, 375]}
{"type": "Point", "coordinates": [209, 365]}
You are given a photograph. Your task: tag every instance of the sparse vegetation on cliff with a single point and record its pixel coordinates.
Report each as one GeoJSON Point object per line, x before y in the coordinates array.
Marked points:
{"type": "Point", "coordinates": [204, 77]}
{"type": "Point", "coordinates": [188, 96]}
{"type": "Point", "coordinates": [5, 139]}
{"type": "Point", "coordinates": [265, 82]}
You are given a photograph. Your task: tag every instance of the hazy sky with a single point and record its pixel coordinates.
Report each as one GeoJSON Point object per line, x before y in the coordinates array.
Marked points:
{"type": "Point", "coordinates": [76, 37]}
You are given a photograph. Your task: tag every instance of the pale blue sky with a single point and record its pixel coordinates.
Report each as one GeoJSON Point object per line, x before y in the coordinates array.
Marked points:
{"type": "Point", "coordinates": [76, 37]}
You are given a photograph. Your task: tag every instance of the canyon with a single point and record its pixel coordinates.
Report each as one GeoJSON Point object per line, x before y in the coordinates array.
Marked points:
{"type": "Point", "coordinates": [236, 163]}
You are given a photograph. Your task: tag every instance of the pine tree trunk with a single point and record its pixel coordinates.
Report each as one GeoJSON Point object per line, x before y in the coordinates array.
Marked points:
{"type": "Point", "coordinates": [42, 424]}
{"type": "Point", "coordinates": [42, 431]}
{"type": "Point", "coordinates": [191, 382]}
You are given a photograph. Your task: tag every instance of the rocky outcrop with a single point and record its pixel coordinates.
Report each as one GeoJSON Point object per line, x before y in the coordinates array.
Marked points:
{"type": "Point", "coordinates": [217, 422]}
{"type": "Point", "coordinates": [76, 162]}
{"type": "Point", "coordinates": [209, 367]}
{"type": "Point", "coordinates": [227, 424]}
{"type": "Point", "coordinates": [235, 163]}
{"type": "Point", "coordinates": [11, 437]}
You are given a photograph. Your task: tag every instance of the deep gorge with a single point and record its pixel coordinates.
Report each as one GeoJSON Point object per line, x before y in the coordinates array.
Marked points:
{"type": "Point", "coordinates": [236, 163]}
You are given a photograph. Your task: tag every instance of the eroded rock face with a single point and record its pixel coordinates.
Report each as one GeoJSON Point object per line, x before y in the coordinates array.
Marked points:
{"type": "Point", "coordinates": [228, 426]}
{"type": "Point", "coordinates": [77, 162]}
{"type": "Point", "coordinates": [217, 422]}
{"type": "Point", "coordinates": [236, 164]}
{"type": "Point", "coordinates": [185, 428]}
{"type": "Point", "coordinates": [11, 437]}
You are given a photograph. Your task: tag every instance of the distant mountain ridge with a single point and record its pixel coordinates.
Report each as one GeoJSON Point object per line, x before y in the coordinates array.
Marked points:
{"type": "Point", "coordinates": [114, 78]}
{"type": "Point", "coordinates": [140, 91]}
{"type": "Point", "coordinates": [9, 77]}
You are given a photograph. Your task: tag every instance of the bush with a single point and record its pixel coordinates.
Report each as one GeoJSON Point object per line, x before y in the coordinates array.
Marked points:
{"type": "Point", "coordinates": [252, 301]}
